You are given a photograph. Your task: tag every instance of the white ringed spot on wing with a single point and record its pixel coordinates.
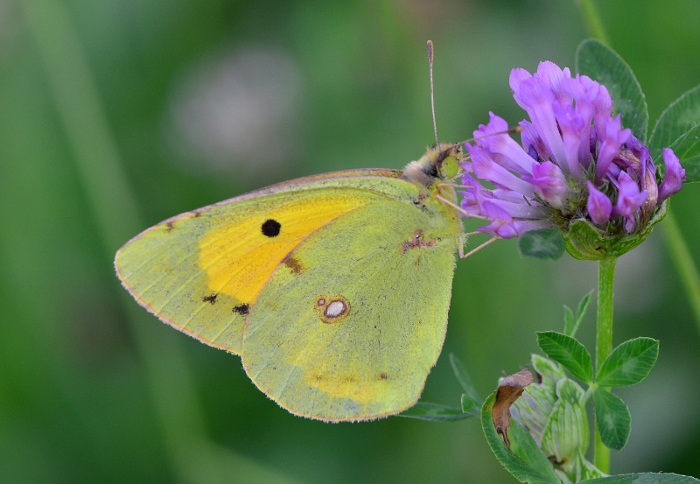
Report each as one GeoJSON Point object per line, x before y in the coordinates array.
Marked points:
{"type": "Point", "coordinates": [331, 309]}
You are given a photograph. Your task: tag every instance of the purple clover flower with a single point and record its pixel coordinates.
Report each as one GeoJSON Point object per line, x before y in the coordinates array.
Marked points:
{"type": "Point", "coordinates": [576, 162]}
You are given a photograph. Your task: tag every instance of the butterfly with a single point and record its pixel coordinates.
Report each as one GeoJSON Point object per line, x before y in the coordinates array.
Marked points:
{"type": "Point", "coordinates": [334, 289]}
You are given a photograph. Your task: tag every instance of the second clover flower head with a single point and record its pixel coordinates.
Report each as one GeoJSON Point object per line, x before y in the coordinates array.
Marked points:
{"type": "Point", "coordinates": [576, 164]}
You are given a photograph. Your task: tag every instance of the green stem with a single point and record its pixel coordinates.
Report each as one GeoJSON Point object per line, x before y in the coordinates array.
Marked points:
{"type": "Point", "coordinates": [595, 25]}
{"type": "Point", "coordinates": [604, 335]}
{"type": "Point", "coordinates": [684, 264]}
{"type": "Point", "coordinates": [606, 271]}
{"type": "Point", "coordinates": [606, 279]}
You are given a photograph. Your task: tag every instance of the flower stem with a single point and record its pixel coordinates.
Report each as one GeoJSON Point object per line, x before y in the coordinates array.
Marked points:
{"type": "Point", "coordinates": [604, 330]}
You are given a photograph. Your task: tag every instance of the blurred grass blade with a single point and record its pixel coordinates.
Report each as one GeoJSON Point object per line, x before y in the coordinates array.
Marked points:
{"type": "Point", "coordinates": [643, 478]}
{"type": "Point", "coordinates": [684, 263]}
{"type": "Point", "coordinates": [470, 398]}
{"type": "Point", "coordinates": [117, 218]}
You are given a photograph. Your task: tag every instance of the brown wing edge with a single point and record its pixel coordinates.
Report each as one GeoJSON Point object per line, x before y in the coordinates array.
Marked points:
{"type": "Point", "coordinates": [376, 172]}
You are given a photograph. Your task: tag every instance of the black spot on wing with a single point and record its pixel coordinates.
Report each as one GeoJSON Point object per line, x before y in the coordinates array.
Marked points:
{"type": "Point", "coordinates": [242, 309]}
{"type": "Point", "coordinates": [271, 228]}
{"type": "Point", "coordinates": [211, 299]}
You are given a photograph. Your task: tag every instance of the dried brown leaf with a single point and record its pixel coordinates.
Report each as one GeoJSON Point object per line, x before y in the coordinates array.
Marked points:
{"type": "Point", "coordinates": [509, 389]}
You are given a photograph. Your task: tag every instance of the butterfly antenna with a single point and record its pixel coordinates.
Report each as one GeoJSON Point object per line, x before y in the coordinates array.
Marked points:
{"type": "Point", "coordinates": [432, 95]}
{"type": "Point", "coordinates": [513, 130]}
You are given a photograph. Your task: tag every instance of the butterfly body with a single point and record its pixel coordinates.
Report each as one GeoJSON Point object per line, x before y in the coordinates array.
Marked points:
{"type": "Point", "coordinates": [333, 288]}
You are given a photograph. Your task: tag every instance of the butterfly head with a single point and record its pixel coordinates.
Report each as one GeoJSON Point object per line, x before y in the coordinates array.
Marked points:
{"type": "Point", "coordinates": [440, 163]}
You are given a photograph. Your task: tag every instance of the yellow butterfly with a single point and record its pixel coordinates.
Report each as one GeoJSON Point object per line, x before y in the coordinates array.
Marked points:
{"type": "Point", "coordinates": [333, 288]}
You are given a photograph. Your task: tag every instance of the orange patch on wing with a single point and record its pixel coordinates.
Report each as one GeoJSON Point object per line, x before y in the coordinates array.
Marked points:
{"type": "Point", "coordinates": [239, 258]}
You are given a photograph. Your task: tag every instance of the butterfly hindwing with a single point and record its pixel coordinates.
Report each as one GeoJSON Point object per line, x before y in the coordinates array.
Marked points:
{"type": "Point", "coordinates": [349, 326]}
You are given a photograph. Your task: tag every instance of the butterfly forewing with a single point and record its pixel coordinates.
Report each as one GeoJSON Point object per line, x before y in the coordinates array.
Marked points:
{"type": "Point", "coordinates": [201, 271]}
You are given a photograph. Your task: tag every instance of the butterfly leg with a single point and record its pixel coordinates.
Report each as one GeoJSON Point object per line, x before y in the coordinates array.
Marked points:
{"type": "Point", "coordinates": [462, 255]}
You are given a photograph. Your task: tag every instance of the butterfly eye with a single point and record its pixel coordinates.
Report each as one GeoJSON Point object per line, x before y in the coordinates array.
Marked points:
{"type": "Point", "coordinates": [450, 167]}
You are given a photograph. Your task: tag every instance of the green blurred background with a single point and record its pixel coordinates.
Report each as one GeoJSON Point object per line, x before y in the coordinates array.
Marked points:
{"type": "Point", "coordinates": [116, 114]}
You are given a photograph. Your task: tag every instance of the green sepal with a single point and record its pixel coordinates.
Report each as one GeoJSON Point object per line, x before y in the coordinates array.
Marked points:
{"type": "Point", "coordinates": [566, 433]}
{"type": "Point", "coordinates": [585, 241]}
{"type": "Point", "coordinates": [566, 436]}
{"type": "Point", "coordinates": [580, 468]}
{"type": "Point", "coordinates": [554, 414]}
{"type": "Point", "coordinates": [549, 371]}
{"type": "Point", "coordinates": [535, 405]}
{"type": "Point", "coordinates": [534, 408]}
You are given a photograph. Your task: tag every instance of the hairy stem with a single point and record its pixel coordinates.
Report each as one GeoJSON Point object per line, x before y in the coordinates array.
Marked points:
{"type": "Point", "coordinates": [604, 335]}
